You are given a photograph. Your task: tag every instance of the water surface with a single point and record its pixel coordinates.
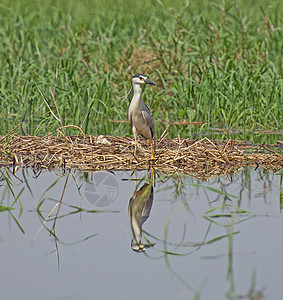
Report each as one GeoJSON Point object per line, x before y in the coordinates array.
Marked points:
{"type": "Point", "coordinates": [220, 239]}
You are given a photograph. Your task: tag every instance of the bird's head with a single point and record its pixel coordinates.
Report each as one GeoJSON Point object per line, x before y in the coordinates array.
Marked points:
{"type": "Point", "coordinates": [139, 247]}
{"type": "Point", "coordinates": [141, 79]}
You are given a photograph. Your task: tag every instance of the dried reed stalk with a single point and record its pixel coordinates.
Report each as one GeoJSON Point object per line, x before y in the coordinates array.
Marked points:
{"type": "Point", "coordinates": [200, 158]}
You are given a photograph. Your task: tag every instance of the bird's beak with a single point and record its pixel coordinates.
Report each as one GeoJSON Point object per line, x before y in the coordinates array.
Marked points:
{"type": "Point", "coordinates": [147, 81]}
{"type": "Point", "coordinates": [142, 247]}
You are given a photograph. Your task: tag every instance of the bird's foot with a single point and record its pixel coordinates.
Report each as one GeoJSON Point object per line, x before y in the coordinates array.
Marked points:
{"type": "Point", "coordinates": [138, 146]}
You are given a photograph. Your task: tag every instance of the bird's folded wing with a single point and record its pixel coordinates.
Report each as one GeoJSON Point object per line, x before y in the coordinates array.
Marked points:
{"type": "Point", "coordinates": [148, 120]}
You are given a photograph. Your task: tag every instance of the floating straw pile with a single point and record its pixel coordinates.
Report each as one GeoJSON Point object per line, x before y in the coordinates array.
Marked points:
{"type": "Point", "coordinates": [199, 158]}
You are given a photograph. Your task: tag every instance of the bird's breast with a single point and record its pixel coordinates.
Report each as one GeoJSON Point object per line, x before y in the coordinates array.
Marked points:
{"type": "Point", "coordinates": [141, 126]}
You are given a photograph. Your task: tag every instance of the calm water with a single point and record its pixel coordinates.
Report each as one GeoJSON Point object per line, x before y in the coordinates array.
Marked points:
{"type": "Point", "coordinates": [220, 239]}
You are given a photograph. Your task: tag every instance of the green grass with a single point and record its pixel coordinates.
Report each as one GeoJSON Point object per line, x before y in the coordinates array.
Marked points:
{"type": "Point", "coordinates": [215, 62]}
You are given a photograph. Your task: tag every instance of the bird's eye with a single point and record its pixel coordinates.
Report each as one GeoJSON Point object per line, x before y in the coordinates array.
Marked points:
{"type": "Point", "coordinates": [140, 78]}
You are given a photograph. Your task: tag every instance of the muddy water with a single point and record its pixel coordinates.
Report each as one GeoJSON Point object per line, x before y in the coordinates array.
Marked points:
{"type": "Point", "coordinates": [154, 237]}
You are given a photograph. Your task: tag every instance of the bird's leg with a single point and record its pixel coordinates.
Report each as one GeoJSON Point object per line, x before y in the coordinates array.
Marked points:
{"type": "Point", "coordinates": [136, 143]}
{"type": "Point", "coordinates": [152, 152]}
{"type": "Point", "coordinates": [136, 139]}
{"type": "Point", "coordinates": [135, 180]}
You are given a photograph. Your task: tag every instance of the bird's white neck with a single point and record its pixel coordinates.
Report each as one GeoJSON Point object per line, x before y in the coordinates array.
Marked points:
{"type": "Point", "coordinates": [137, 97]}
{"type": "Point", "coordinates": [137, 230]}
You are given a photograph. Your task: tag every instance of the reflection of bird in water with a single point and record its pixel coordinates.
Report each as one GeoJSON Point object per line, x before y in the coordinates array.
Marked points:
{"type": "Point", "coordinates": [139, 209]}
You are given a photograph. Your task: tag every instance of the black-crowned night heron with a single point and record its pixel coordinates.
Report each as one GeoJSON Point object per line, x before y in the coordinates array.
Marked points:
{"type": "Point", "coordinates": [139, 209]}
{"type": "Point", "coordinates": [139, 115]}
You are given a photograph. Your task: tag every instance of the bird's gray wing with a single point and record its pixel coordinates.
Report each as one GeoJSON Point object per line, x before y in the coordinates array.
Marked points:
{"type": "Point", "coordinates": [148, 204]}
{"type": "Point", "coordinates": [148, 119]}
